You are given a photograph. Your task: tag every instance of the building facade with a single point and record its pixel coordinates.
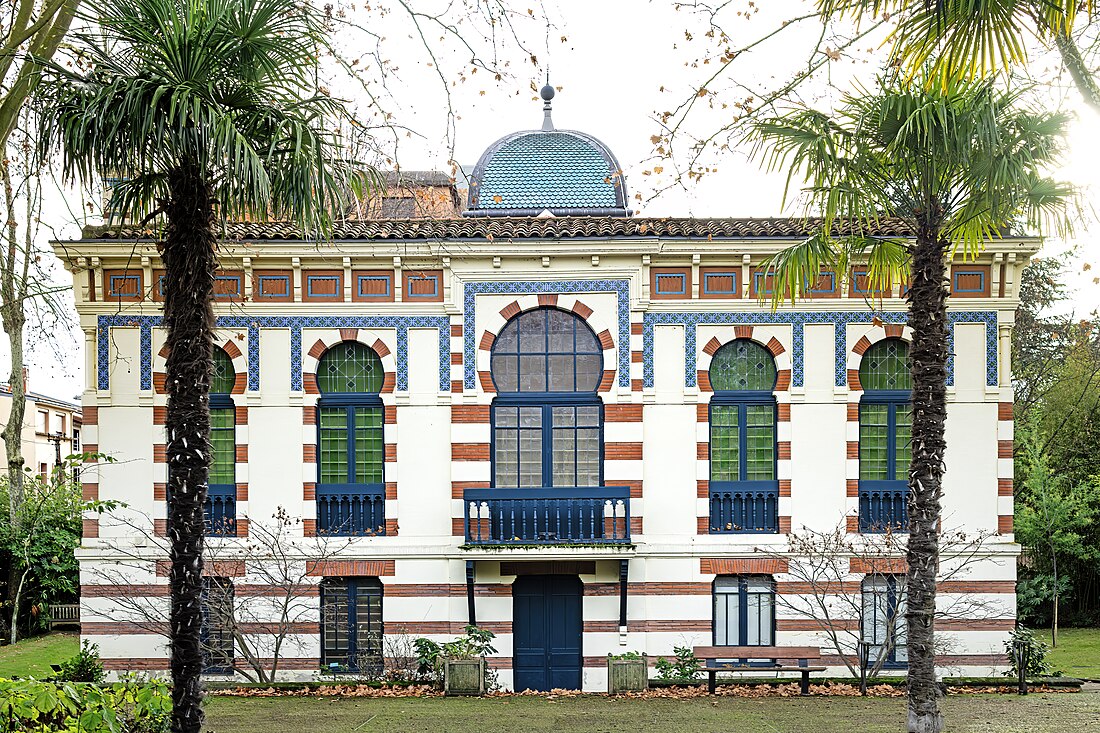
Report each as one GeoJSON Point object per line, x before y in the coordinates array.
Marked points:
{"type": "Point", "coordinates": [578, 429]}
{"type": "Point", "coordinates": [51, 429]}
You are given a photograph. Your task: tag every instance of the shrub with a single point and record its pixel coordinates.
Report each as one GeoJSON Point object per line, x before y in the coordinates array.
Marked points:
{"type": "Point", "coordinates": [477, 643]}
{"type": "Point", "coordinates": [686, 666]}
{"type": "Point", "coordinates": [1037, 664]}
{"type": "Point", "coordinates": [84, 667]}
{"type": "Point", "coordinates": [28, 705]}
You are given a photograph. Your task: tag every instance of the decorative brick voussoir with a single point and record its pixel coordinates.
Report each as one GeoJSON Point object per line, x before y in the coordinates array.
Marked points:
{"type": "Point", "coordinates": [607, 381]}
{"type": "Point", "coordinates": [510, 310]}
{"type": "Point", "coordinates": [783, 412]}
{"type": "Point", "coordinates": [862, 345]}
{"type": "Point", "coordinates": [389, 414]}
{"type": "Point", "coordinates": [240, 414]}
{"type": "Point", "coordinates": [240, 382]}
{"type": "Point", "coordinates": [309, 383]}
{"type": "Point", "coordinates": [548, 300]}
{"type": "Point", "coordinates": [853, 381]}
{"type": "Point", "coordinates": [582, 310]}
{"type": "Point", "coordinates": [605, 339]}
{"type": "Point", "coordinates": [486, 380]}
{"type": "Point", "coordinates": [389, 381]}
{"type": "Point", "coordinates": [712, 346]}
{"type": "Point", "coordinates": [349, 334]}
{"type": "Point", "coordinates": [893, 330]}
{"type": "Point", "coordinates": [160, 383]}
{"type": "Point", "coordinates": [230, 348]}
{"type": "Point", "coordinates": [318, 349]}
{"type": "Point", "coordinates": [853, 412]}
{"type": "Point", "coordinates": [380, 348]}
{"type": "Point", "coordinates": [309, 415]}
{"type": "Point", "coordinates": [775, 347]}
{"type": "Point", "coordinates": [783, 380]}
{"type": "Point", "coordinates": [742, 332]}
{"type": "Point", "coordinates": [160, 414]}
{"type": "Point", "coordinates": [702, 412]}
{"type": "Point", "coordinates": [487, 340]}
{"type": "Point", "coordinates": [702, 379]}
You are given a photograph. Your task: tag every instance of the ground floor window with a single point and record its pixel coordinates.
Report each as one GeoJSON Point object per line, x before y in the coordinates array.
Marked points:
{"type": "Point", "coordinates": [744, 610]}
{"type": "Point", "coordinates": [216, 633]}
{"type": "Point", "coordinates": [351, 624]}
{"type": "Point", "coordinates": [884, 628]}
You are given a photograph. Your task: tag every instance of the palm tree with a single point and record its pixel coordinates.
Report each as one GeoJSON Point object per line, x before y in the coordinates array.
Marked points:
{"type": "Point", "coordinates": [967, 39]}
{"type": "Point", "coordinates": [207, 110]}
{"type": "Point", "coordinates": [958, 163]}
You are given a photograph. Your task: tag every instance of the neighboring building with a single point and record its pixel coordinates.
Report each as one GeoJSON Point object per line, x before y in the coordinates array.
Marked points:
{"type": "Point", "coordinates": [413, 195]}
{"type": "Point", "coordinates": [578, 429]}
{"type": "Point", "coordinates": [51, 429]}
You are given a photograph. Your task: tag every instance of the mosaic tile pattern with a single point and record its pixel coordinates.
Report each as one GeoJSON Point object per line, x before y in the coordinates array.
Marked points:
{"type": "Point", "coordinates": [522, 287]}
{"type": "Point", "coordinates": [295, 324]}
{"type": "Point", "coordinates": [797, 321]}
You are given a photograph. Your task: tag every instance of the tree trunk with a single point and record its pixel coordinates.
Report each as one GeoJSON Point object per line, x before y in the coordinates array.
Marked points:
{"type": "Point", "coordinates": [1054, 621]}
{"type": "Point", "coordinates": [189, 264]}
{"type": "Point", "coordinates": [928, 354]}
{"type": "Point", "coordinates": [1082, 77]}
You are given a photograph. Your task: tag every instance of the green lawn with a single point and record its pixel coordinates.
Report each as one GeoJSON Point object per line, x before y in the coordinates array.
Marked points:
{"type": "Point", "coordinates": [1036, 713]}
{"type": "Point", "coordinates": [1078, 652]}
{"type": "Point", "coordinates": [33, 657]}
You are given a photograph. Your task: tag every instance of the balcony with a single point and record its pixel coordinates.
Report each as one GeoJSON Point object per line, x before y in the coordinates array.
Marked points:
{"type": "Point", "coordinates": [548, 516]}
{"type": "Point", "coordinates": [220, 510]}
{"type": "Point", "coordinates": [745, 507]}
{"type": "Point", "coordinates": [351, 510]}
{"type": "Point", "coordinates": [883, 506]}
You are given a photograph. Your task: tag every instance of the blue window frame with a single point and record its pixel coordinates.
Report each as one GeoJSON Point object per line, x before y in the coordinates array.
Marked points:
{"type": "Point", "coordinates": [744, 610]}
{"type": "Point", "coordinates": [671, 283]}
{"type": "Point", "coordinates": [957, 273]}
{"type": "Point", "coordinates": [351, 445]}
{"type": "Point", "coordinates": [884, 626]}
{"type": "Point", "coordinates": [885, 437]}
{"type": "Point", "coordinates": [720, 282]}
{"type": "Point", "coordinates": [547, 419]}
{"type": "Point", "coordinates": [216, 631]}
{"type": "Point", "coordinates": [351, 624]}
{"type": "Point", "coordinates": [744, 486]}
{"type": "Point", "coordinates": [221, 493]}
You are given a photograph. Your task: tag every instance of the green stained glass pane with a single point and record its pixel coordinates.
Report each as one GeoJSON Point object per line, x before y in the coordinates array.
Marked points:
{"type": "Point", "coordinates": [760, 443]}
{"type": "Point", "coordinates": [742, 365]}
{"type": "Point", "coordinates": [223, 441]}
{"type": "Point", "coordinates": [903, 441]}
{"type": "Point", "coordinates": [873, 441]}
{"type": "Point", "coordinates": [369, 446]}
{"type": "Point", "coordinates": [334, 445]}
{"type": "Point", "coordinates": [724, 443]}
{"type": "Point", "coordinates": [885, 366]}
{"type": "Point", "coordinates": [223, 376]}
{"type": "Point", "coordinates": [350, 367]}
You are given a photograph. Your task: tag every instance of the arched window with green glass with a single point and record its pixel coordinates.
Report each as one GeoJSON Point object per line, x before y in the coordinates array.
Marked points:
{"type": "Point", "coordinates": [744, 487]}
{"type": "Point", "coordinates": [351, 446]}
{"type": "Point", "coordinates": [885, 436]}
{"type": "Point", "coordinates": [221, 494]}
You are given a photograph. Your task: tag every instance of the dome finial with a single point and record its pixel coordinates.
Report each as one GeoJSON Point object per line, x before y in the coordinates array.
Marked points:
{"type": "Point", "coordinates": [547, 94]}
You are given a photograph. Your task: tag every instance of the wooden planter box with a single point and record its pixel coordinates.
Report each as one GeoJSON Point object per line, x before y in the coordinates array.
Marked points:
{"type": "Point", "coordinates": [627, 675]}
{"type": "Point", "coordinates": [464, 676]}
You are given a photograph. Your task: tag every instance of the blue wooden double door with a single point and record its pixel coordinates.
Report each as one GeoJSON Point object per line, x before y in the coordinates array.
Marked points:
{"type": "Point", "coordinates": [546, 629]}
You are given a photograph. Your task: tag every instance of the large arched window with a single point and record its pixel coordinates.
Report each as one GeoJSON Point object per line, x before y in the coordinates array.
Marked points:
{"type": "Point", "coordinates": [221, 494]}
{"type": "Point", "coordinates": [744, 490]}
{"type": "Point", "coordinates": [885, 436]}
{"type": "Point", "coordinates": [350, 485]}
{"type": "Point", "coordinates": [547, 418]}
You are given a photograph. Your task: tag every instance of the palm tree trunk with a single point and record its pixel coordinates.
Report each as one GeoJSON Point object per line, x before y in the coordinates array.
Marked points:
{"type": "Point", "coordinates": [189, 263]}
{"type": "Point", "coordinates": [928, 319]}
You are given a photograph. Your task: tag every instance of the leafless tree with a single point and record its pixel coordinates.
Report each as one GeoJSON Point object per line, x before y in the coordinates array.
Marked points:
{"type": "Point", "coordinates": [262, 615]}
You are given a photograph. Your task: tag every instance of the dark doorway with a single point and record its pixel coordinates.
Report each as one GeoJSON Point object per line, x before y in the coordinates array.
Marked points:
{"type": "Point", "coordinates": [546, 628]}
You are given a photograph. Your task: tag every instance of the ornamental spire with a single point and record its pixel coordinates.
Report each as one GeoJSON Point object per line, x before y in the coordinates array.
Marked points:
{"type": "Point", "coordinates": [547, 94]}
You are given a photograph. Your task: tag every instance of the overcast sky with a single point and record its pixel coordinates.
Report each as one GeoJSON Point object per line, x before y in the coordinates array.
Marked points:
{"type": "Point", "coordinates": [611, 67]}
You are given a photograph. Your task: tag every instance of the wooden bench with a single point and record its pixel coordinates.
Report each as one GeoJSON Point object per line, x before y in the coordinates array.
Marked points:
{"type": "Point", "coordinates": [64, 614]}
{"type": "Point", "coordinates": [777, 659]}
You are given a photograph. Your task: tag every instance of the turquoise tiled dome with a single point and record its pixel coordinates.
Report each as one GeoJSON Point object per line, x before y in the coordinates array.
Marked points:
{"type": "Point", "coordinates": [565, 172]}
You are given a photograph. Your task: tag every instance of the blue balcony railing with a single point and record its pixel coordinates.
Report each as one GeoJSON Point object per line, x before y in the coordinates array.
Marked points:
{"type": "Point", "coordinates": [221, 510]}
{"type": "Point", "coordinates": [548, 516]}
{"type": "Point", "coordinates": [351, 510]}
{"type": "Point", "coordinates": [744, 507]}
{"type": "Point", "coordinates": [883, 505]}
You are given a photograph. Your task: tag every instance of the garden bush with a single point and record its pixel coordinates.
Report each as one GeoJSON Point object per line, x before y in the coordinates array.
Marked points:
{"type": "Point", "coordinates": [75, 707]}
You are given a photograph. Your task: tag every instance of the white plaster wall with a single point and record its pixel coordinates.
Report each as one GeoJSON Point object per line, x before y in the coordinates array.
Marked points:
{"type": "Point", "coordinates": [970, 482]}
{"type": "Point", "coordinates": [818, 465]}
{"type": "Point", "coordinates": [818, 346]}
{"type": "Point", "coordinates": [969, 362]}
{"type": "Point", "coordinates": [125, 434]}
{"type": "Point", "coordinates": [668, 473]}
{"type": "Point", "coordinates": [275, 466]}
{"type": "Point", "coordinates": [424, 482]}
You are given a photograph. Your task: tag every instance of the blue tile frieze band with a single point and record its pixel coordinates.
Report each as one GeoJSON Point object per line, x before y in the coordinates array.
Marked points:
{"type": "Point", "coordinates": [797, 322]}
{"type": "Point", "coordinates": [522, 287]}
{"type": "Point", "coordinates": [401, 324]}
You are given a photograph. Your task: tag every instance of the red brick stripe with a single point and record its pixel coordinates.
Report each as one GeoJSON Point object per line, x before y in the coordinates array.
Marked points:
{"type": "Point", "coordinates": [738, 565]}
{"type": "Point", "coordinates": [350, 568]}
